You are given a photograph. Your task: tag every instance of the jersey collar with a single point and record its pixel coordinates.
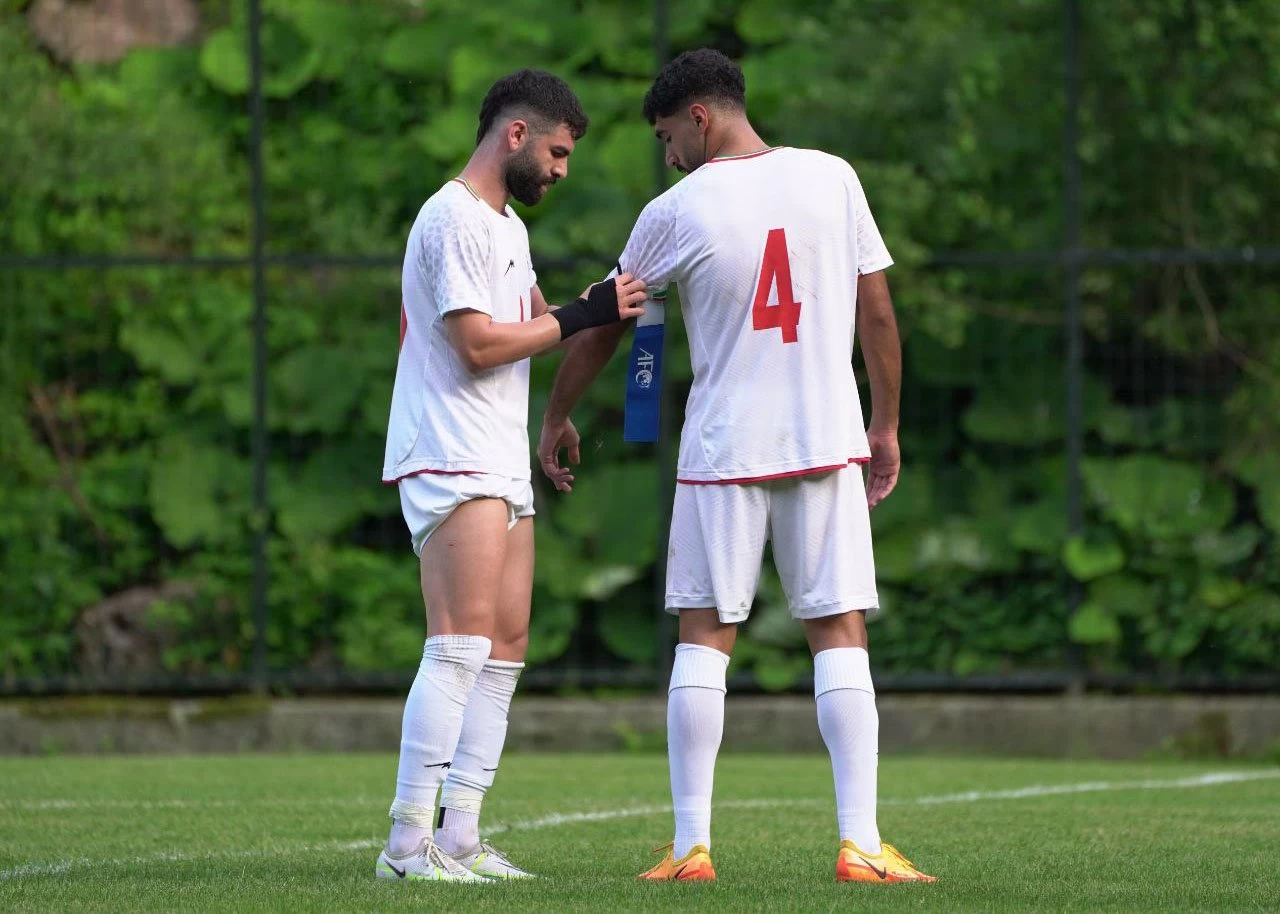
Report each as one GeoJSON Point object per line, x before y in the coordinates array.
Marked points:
{"type": "Point", "coordinates": [745, 155]}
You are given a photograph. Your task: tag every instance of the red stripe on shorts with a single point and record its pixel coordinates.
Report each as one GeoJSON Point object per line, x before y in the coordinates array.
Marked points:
{"type": "Point", "coordinates": [746, 479]}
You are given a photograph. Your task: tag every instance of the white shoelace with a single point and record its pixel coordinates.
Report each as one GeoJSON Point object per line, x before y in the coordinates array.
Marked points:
{"type": "Point", "coordinates": [443, 861]}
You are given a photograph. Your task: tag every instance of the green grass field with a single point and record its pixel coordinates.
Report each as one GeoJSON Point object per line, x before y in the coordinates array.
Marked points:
{"type": "Point", "coordinates": [277, 833]}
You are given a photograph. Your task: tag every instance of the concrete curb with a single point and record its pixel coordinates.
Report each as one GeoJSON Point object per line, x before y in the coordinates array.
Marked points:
{"type": "Point", "coordinates": [1054, 726]}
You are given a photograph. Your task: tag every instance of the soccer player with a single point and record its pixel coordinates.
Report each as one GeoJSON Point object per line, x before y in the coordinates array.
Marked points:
{"type": "Point", "coordinates": [458, 448]}
{"type": "Point", "coordinates": [772, 247]}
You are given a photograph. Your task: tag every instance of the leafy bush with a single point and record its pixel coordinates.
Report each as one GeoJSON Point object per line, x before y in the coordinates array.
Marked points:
{"type": "Point", "coordinates": [125, 395]}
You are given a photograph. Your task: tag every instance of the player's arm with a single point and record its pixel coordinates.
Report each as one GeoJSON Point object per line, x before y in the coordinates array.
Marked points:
{"type": "Point", "coordinates": [650, 254]}
{"type": "Point", "coordinates": [538, 303]}
{"type": "Point", "coordinates": [482, 343]}
{"type": "Point", "coordinates": [882, 353]}
{"type": "Point", "coordinates": [538, 307]}
{"type": "Point", "coordinates": [585, 357]}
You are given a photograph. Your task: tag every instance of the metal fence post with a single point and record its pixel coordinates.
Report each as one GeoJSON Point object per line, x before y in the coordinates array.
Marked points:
{"type": "Point", "coordinates": [260, 515]}
{"type": "Point", "coordinates": [1074, 333]}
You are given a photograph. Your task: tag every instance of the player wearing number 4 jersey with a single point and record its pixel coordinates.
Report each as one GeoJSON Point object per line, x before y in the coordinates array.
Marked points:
{"type": "Point", "coordinates": [778, 261]}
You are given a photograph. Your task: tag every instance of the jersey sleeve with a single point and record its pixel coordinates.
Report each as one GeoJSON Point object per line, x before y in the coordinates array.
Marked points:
{"type": "Point", "coordinates": [455, 253]}
{"type": "Point", "coordinates": [652, 253]}
{"type": "Point", "coordinates": [872, 253]}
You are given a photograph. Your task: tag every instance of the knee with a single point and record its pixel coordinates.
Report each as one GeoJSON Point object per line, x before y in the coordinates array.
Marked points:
{"type": "Point", "coordinates": [512, 646]}
{"type": "Point", "coordinates": [844, 630]}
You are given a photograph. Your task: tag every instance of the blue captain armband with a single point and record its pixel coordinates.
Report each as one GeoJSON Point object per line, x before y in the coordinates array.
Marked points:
{"type": "Point", "coordinates": [644, 375]}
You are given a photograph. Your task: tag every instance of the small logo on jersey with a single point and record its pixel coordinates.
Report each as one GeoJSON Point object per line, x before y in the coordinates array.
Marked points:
{"type": "Point", "coordinates": [644, 369]}
{"type": "Point", "coordinates": [510, 264]}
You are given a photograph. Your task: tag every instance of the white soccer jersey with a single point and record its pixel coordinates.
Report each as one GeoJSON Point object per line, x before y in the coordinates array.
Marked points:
{"type": "Point", "coordinates": [461, 255]}
{"type": "Point", "coordinates": [767, 249]}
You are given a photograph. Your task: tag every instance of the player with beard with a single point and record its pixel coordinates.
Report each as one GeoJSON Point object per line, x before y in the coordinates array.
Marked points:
{"type": "Point", "coordinates": [458, 449]}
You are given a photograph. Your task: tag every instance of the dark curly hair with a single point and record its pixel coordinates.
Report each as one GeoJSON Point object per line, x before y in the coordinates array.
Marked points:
{"type": "Point", "coordinates": [541, 98]}
{"type": "Point", "coordinates": [701, 75]}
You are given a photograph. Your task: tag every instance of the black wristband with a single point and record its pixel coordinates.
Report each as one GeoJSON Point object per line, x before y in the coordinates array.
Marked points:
{"type": "Point", "coordinates": [600, 307]}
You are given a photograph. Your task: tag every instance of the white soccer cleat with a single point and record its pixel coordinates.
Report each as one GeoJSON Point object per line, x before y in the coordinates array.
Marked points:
{"type": "Point", "coordinates": [487, 861]}
{"type": "Point", "coordinates": [427, 864]}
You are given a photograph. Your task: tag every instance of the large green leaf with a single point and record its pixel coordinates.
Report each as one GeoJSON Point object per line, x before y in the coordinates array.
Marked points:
{"type": "Point", "coordinates": [224, 61]}
{"type": "Point", "coordinates": [910, 502]}
{"type": "Point", "coordinates": [762, 21]}
{"type": "Point", "coordinates": [629, 629]}
{"type": "Point", "coordinates": [420, 50]}
{"type": "Point", "coordinates": [341, 31]}
{"type": "Point", "coordinates": [1123, 595]}
{"type": "Point", "coordinates": [1041, 527]}
{"type": "Point", "coordinates": [187, 483]}
{"type": "Point", "coordinates": [895, 555]}
{"type": "Point", "coordinates": [551, 625]}
{"type": "Point", "coordinates": [1028, 411]}
{"type": "Point", "coordinates": [1158, 498]}
{"type": "Point", "coordinates": [1226, 547]}
{"type": "Point", "coordinates": [312, 389]}
{"type": "Point", "coordinates": [473, 68]}
{"type": "Point", "coordinates": [1092, 624]}
{"type": "Point", "coordinates": [1262, 471]}
{"type": "Point", "coordinates": [449, 135]}
{"type": "Point", "coordinates": [372, 642]}
{"type": "Point", "coordinates": [968, 544]}
{"type": "Point", "coordinates": [289, 60]}
{"type": "Point", "coordinates": [559, 568]}
{"type": "Point", "coordinates": [616, 510]}
{"type": "Point", "coordinates": [326, 494]}
{"type": "Point", "coordinates": [627, 157]}
{"type": "Point", "coordinates": [1089, 558]}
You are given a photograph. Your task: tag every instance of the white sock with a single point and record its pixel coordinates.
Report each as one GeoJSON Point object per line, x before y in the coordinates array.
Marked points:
{"type": "Point", "coordinates": [695, 724]}
{"type": "Point", "coordinates": [429, 732]}
{"type": "Point", "coordinates": [851, 729]}
{"type": "Point", "coordinates": [484, 730]}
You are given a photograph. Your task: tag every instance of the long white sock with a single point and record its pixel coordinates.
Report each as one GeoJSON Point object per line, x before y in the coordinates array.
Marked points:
{"type": "Point", "coordinates": [695, 724]}
{"type": "Point", "coordinates": [851, 729]}
{"type": "Point", "coordinates": [429, 732]}
{"type": "Point", "coordinates": [484, 731]}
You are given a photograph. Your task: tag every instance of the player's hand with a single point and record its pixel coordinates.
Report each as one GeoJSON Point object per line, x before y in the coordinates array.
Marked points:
{"type": "Point", "coordinates": [557, 434]}
{"type": "Point", "coordinates": [882, 471]}
{"type": "Point", "coordinates": [631, 296]}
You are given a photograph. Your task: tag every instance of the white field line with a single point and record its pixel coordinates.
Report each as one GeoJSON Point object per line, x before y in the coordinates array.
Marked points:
{"type": "Point", "coordinates": [146, 805]}
{"type": "Point", "coordinates": [555, 820]}
{"type": "Point", "coordinates": [1053, 790]}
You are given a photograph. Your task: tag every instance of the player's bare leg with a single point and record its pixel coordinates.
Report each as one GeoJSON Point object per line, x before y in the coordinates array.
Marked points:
{"type": "Point", "coordinates": [695, 724]}
{"type": "Point", "coordinates": [462, 567]}
{"type": "Point", "coordinates": [850, 727]}
{"type": "Point", "coordinates": [484, 725]}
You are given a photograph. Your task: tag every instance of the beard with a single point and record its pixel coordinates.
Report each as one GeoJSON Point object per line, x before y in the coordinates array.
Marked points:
{"type": "Point", "coordinates": [524, 179]}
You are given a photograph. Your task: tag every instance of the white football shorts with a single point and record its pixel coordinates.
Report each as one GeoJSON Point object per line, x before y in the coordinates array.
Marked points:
{"type": "Point", "coordinates": [820, 528]}
{"type": "Point", "coordinates": [428, 499]}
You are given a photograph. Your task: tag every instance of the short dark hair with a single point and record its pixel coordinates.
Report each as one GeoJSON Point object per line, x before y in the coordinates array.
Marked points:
{"type": "Point", "coordinates": [539, 97]}
{"type": "Point", "coordinates": [701, 75]}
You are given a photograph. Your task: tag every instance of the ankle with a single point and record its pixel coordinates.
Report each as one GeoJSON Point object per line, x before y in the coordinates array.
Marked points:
{"type": "Point", "coordinates": [405, 839]}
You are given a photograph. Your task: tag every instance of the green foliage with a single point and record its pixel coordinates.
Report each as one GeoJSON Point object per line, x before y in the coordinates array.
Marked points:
{"type": "Point", "coordinates": [126, 395]}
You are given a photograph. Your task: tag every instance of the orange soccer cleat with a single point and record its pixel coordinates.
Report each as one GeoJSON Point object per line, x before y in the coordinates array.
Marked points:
{"type": "Point", "coordinates": [694, 866]}
{"type": "Point", "coordinates": [886, 867]}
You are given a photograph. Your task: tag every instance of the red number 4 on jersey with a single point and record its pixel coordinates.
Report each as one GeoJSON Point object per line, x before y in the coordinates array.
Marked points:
{"type": "Point", "coordinates": [785, 315]}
